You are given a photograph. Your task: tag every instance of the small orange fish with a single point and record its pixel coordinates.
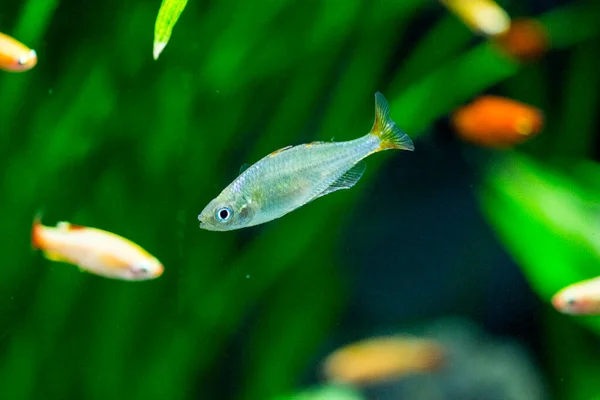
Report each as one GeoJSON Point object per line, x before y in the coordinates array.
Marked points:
{"type": "Point", "coordinates": [96, 251]}
{"type": "Point", "coordinates": [497, 122]}
{"type": "Point", "coordinates": [381, 359]}
{"type": "Point", "coordinates": [526, 40]}
{"type": "Point", "coordinates": [15, 56]}
{"type": "Point", "coordinates": [581, 298]}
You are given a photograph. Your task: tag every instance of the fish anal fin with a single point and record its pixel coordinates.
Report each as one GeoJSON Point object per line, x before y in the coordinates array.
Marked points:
{"type": "Point", "coordinates": [347, 180]}
{"type": "Point", "coordinates": [244, 167]}
{"type": "Point", "coordinates": [281, 150]}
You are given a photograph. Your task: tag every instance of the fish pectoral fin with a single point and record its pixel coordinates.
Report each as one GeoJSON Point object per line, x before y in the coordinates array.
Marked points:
{"type": "Point", "coordinates": [53, 256]}
{"type": "Point", "coordinates": [347, 180]}
{"type": "Point", "coordinates": [244, 167]}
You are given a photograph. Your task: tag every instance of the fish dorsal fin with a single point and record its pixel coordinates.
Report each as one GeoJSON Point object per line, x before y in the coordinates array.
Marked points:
{"type": "Point", "coordinates": [244, 167]}
{"type": "Point", "coordinates": [68, 227]}
{"type": "Point", "coordinates": [73, 227]}
{"type": "Point", "coordinates": [63, 226]}
{"type": "Point", "coordinates": [347, 180]}
{"type": "Point", "coordinates": [281, 150]}
{"type": "Point", "coordinates": [315, 142]}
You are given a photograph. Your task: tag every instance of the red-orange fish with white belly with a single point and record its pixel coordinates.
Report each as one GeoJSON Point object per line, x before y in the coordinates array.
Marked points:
{"type": "Point", "coordinates": [15, 56]}
{"type": "Point", "coordinates": [497, 122]}
{"type": "Point", "coordinates": [526, 40]}
{"type": "Point", "coordinates": [96, 251]}
{"type": "Point", "coordinates": [581, 298]}
{"type": "Point", "coordinates": [381, 359]}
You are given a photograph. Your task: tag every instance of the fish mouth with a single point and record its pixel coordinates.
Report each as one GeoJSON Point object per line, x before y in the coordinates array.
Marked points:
{"type": "Point", "coordinates": [203, 224]}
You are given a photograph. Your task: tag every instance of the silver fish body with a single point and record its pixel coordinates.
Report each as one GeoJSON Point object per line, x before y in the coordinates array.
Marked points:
{"type": "Point", "coordinates": [295, 175]}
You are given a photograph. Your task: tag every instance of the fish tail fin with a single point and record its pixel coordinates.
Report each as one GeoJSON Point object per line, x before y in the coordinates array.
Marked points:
{"type": "Point", "coordinates": [386, 129]}
{"type": "Point", "coordinates": [36, 232]}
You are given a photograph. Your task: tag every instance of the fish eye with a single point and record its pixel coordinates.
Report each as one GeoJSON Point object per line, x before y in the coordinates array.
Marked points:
{"type": "Point", "coordinates": [224, 214]}
{"type": "Point", "coordinates": [142, 267]}
{"type": "Point", "coordinates": [22, 60]}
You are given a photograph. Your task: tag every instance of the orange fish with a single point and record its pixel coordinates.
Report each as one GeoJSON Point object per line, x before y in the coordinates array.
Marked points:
{"type": "Point", "coordinates": [581, 298]}
{"type": "Point", "coordinates": [96, 251]}
{"type": "Point", "coordinates": [526, 40]}
{"type": "Point", "coordinates": [382, 359]}
{"type": "Point", "coordinates": [15, 56]}
{"type": "Point", "coordinates": [497, 122]}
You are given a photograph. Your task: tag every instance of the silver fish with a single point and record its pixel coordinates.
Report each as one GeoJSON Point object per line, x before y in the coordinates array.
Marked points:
{"type": "Point", "coordinates": [295, 175]}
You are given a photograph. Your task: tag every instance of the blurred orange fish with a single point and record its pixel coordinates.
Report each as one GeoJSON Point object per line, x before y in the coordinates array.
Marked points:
{"type": "Point", "coordinates": [482, 16]}
{"type": "Point", "coordinates": [526, 40]}
{"type": "Point", "coordinates": [96, 251]}
{"type": "Point", "coordinates": [581, 298]}
{"type": "Point", "coordinates": [15, 56]}
{"type": "Point", "coordinates": [382, 359]}
{"type": "Point", "coordinates": [497, 122]}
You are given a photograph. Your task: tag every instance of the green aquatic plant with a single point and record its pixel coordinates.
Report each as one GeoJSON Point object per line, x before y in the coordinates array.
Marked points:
{"type": "Point", "coordinates": [329, 392]}
{"type": "Point", "coordinates": [167, 17]}
{"type": "Point", "coordinates": [548, 219]}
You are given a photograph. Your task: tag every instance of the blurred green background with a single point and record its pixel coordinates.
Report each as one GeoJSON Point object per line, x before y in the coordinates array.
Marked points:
{"type": "Point", "coordinates": [100, 134]}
